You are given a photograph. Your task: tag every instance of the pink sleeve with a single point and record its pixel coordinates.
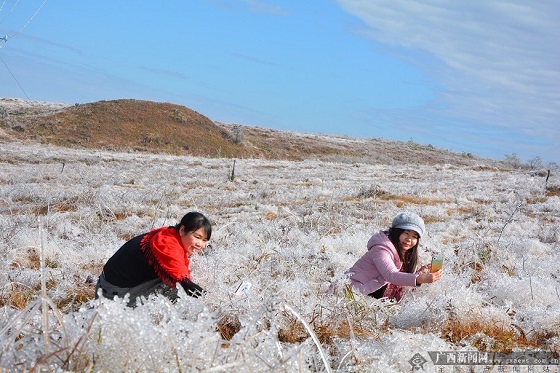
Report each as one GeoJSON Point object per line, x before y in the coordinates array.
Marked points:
{"type": "Point", "coordinates": [383, 259]}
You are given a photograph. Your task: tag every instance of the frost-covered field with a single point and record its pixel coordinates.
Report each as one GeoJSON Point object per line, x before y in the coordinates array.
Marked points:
{"type": "Point", "coordinates": [289, 228]}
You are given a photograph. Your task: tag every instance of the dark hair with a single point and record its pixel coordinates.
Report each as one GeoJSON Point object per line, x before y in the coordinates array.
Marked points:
{"type": "Point", "coordinates": [408, 257]}
{"type": "Point", "coordinates": [193, 221]}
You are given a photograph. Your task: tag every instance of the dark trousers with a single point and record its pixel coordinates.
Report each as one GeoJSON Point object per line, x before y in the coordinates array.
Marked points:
{"type": "Point", "coordinates": [154, 286]}
{"type": "Point", "coordinates": [379, 292]}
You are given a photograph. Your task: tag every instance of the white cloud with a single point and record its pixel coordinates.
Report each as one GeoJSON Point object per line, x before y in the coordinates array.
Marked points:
{"type": "Point", "coordinates": [500, 57]}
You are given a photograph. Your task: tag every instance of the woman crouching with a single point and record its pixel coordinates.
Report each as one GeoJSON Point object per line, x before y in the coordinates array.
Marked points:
{"type": "Point", "coordinates": [154, 262]}
{"type": "Point", "coordinates": [391, 260]}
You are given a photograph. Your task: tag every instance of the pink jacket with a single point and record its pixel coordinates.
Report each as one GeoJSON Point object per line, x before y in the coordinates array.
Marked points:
{"type": "Point", "coordinates": [378, 266]}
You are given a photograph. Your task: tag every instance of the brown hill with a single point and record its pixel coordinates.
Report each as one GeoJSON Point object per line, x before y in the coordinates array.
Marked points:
{"type": "Point", "coordinates": [122, 125]}
{"type": "Point", "coordinates": [135, 125]}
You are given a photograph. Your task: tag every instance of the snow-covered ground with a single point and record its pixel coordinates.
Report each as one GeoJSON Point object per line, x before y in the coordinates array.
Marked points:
{"type": "Point", "coordinates": [291, 229]}
{"type": "Point", "coordinates": [27, 106]}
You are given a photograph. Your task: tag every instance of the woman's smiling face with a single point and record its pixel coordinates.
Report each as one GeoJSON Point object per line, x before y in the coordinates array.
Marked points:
{"type": "Point", "coordinates": [408, 239]}
{"type": "Point", "coordinates": [193, 241]}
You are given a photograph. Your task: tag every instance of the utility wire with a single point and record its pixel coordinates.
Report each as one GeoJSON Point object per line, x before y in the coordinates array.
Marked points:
{"type": "Point", "coordinates": [5, 38]}
{"type": "Point", "coordinates": [30, 19]}
{"type": "Point", "coordinates": [13, 76]}
{"type": "Point", "coordinates": [10, 12]}
{"type": "Point", "coordinates": [2, 7]}
{"type": "Point", "coordinates": [26, 23]}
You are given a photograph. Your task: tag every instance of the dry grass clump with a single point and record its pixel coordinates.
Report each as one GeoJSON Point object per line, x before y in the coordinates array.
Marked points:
{"type": "Point", "coordinates": [352, 320]}
{"type": "Point", "coordinates": [64, 205]}
{"type": "Point", "coordinates": [462, 210]}
{"type": "Point", "coordinates": [377, 193]}
{"type": "Point", "coordinates": [495, 333]}
{"type": "Point", "coordinates": [293, 331]}
{"type": "Point", "coordinates": [93, 267]}
{"type": "Point", "coordinates": [403, 200]}
{"type": "Point", "coordinates": [553, 191]}
{"type": "Point", "coordinates": [374, 191]}
{"type": "Point", "coordinates": [536, 199]}
{"type": "Point", "coordinates": [476, 274]}
{"type": "Point", "coordinates": [79, 294]}
{"type": "Point", "coordinates": [270, 216]}
{"type": "Point", "coordinates": [489, 335]}
{"type": "Point", "coordinates": [30, 259]}
{"type": "Point", "coordinates": [106, 215]}
{"type": "Point", "coordinates": [228, 326]}
{"type": "Point", "coordinates": [18, 296]}
{"type": "Point", "coordinates": [327, 332]}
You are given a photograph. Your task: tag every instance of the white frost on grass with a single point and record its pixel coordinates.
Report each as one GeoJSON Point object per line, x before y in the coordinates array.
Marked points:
{"type": "Point", "coordinates": [289, 228]}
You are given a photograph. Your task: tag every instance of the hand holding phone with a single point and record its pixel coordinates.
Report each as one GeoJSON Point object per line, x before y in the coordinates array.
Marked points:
{"type": "Point", "coordinates": [437, 263]}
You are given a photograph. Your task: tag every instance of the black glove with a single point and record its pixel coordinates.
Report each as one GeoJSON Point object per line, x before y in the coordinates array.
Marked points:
{"type": "Point", "coordinates": [192, 289]}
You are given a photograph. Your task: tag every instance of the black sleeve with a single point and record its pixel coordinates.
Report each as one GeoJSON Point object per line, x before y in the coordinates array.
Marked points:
{"type": "Point", "coordinates": [191, 288]}
{"type": "Point", "coordinates": [128, 267]}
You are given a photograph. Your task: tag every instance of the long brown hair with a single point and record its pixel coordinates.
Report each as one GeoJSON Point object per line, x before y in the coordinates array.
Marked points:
{"type": "Point", "coordinates": [408, 257]}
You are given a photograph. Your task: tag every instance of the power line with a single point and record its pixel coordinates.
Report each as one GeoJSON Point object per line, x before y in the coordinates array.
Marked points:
{"type": "Point", "coordinates": [26, 23]}
{"type": "Point", "coordinates": [13, 76]}
{"type": "Point", "coordinates": [5, 38]}
{"type": "Point", "coordinates": [11, 10]}
{"type": "Point", "coordinates": [30, 19]}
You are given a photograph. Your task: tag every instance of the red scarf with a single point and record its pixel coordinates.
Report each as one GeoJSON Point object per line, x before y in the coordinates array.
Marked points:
{"type": "Point", "coordinates": [166, 254]}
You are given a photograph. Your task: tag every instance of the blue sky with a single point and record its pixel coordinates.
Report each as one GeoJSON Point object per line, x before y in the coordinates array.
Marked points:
{"type": "Point", "coordinates": [477, 76]}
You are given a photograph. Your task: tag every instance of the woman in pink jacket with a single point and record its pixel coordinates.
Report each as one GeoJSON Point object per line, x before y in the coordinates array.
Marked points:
{"type": "Point", "coordinates": [391, 260]}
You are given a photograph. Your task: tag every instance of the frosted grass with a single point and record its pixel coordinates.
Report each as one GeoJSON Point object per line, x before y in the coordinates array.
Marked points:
{"type": "Point", "coordinates": [289, 228]}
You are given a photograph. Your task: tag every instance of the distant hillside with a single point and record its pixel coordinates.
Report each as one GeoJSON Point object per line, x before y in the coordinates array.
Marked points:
{"type": "Point", "coordinates": [135, 125]}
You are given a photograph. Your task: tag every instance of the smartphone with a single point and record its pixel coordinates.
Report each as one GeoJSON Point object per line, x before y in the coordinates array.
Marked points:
{"type": "Point", "coordinates": [437, 263]}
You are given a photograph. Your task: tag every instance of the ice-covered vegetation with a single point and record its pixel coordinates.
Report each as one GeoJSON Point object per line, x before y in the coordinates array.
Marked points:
{"type": "Point", "coordinates": [291, 229]}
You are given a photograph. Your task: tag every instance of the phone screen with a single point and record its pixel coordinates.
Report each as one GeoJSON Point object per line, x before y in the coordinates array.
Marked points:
{"type": "Point", "coordinates": [437, 263]}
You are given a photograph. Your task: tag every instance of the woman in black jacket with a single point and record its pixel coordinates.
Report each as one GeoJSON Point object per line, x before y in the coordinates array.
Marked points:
{"type": "Point", "coordinates": [156, 261]}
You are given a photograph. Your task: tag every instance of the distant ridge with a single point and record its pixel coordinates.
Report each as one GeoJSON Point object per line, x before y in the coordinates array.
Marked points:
{"type": "Point", "coordinates": [147, 126]}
